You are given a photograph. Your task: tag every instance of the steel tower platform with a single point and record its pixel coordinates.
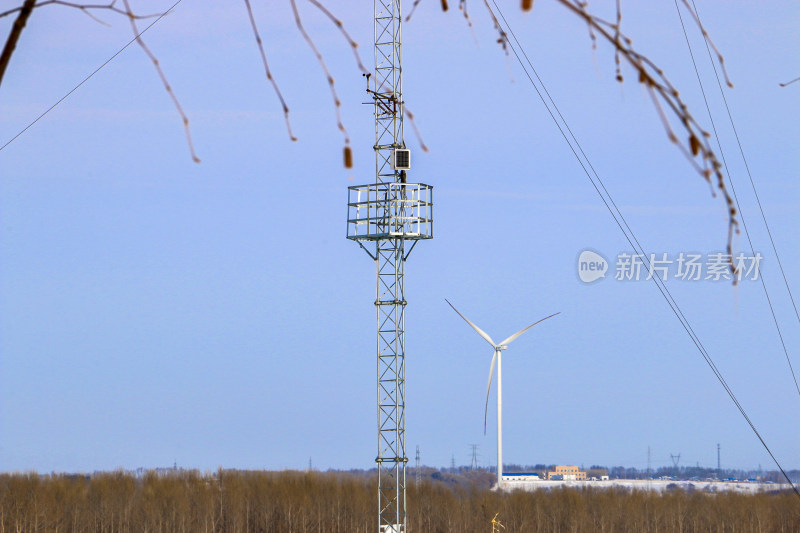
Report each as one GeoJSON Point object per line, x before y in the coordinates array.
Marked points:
{"type": "Point", "coordinates": [383, 217]}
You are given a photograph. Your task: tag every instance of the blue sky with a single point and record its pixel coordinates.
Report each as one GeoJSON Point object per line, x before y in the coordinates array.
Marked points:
{"type": "Point", "coordinates": [153, 310]}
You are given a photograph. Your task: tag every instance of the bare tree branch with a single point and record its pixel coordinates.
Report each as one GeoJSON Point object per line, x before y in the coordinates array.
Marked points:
{"type": "Point", "coordinates": [26, 9]}
{"type": "Point", "coordinates": [25, 12]}
{"type": "Point", "coordinates": [340, 26]}
{"type": "Point", "coordinates": [267, 70]}
{"type": "Point", "coordinates": [502, 40]}
{"type": "Point", "coordinates": [462, 6]}
{"type": "Point", "coordinates": [164, 80]}
{"type": "Point", "coordinates": [348, 154]}
{"type": "Point", "coordinates": [789, 82]}
{"type": "Point", "coordinates": [665, 97]}
{"type": "Point", "coordinates": [410, 116]}
{"type": "Point", "coordinates": [413, 8]}
{"type": "Point", "coordinates": [707, 38]}
{"type": "Point", "coordinates": [111, 6]}
{"type": "Point", "coordinates": [696, 147]}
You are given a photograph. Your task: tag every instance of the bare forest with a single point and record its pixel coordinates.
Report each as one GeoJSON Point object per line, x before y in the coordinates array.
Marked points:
{"type": "Point", "coordinates": [336, 502]}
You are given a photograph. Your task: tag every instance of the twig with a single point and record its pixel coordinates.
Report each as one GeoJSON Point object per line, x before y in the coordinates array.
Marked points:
{"type": "Point", "coordinates": [111, 6]}
{"type": "Point", "coordinates": [16, 30]}
{"type": "Point", "coordinates": [410, 116]}
{"type": "Point", "coordinates": [462, 6]}
{"type": "Point", "coordinates": [789, 82]}
{"type": "Point", "coordinates": [413, 8]}
{"type": "Point", "coordinates": [707, 37]}
{"type": "Point", "coordinates": [340, 26]}
{"type": "Point", "coordinates": [696, 148]}
{"type": "Point", "coordinates": [164, 80]}
{"type": "Point", "coordinates": [502, 40]}
{"type": "Point", "coordinates": [617, 30]}
{"type": "Point", "coordinates": [267, 70]}
{"type": "Point", "coordinates": [336, 102]}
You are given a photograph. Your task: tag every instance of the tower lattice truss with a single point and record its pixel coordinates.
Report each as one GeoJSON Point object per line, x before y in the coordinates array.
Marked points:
{"type": "Point", "coordinates": [387, 218]}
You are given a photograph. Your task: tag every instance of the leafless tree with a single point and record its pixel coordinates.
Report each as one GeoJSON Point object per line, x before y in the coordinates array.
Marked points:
{"type": "Point", "coordinates": [681, 127]}
{"type": "Point", "coordinates": [242, 501]}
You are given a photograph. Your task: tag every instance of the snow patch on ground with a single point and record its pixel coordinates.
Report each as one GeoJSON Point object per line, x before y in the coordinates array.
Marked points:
{"type": "Point", "coordinates": [657, 485]}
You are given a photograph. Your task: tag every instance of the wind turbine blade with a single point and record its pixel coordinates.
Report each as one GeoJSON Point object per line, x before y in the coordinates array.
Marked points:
{"type": "Point", "coordinates": [476, 328]}
{"type": "Point", "coordinates": [488, 389]}
{"type": "Point", "coordinates": [517, 334]}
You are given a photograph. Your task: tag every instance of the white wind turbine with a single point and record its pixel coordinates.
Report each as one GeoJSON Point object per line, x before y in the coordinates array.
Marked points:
{"type": "Point", "coordinates": [497, 357]}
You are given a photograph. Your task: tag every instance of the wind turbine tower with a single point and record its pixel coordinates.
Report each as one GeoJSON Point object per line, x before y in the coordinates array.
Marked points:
{"type": "Point", "coordinates": [497, 358]}
{"type": "Point", "coordinates": [387, 218]}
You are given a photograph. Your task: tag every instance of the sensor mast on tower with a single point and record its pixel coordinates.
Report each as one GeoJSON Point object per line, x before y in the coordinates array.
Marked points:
{"type": "Point", "coordinates": [384, 218]}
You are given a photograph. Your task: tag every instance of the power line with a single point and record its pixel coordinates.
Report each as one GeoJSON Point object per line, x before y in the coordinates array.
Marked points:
{"type": "Point", "coordinates": [736, 197]}
{"type": "Point", "coordinates": [87, 78]}
{"type": "Point", "coordinates": [629, 235]}
{"type": "Point", "coordinates": [749, 175]}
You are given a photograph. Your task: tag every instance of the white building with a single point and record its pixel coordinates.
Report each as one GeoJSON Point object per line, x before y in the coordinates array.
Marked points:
{"type": "Point", "coordinates": [521, 476]}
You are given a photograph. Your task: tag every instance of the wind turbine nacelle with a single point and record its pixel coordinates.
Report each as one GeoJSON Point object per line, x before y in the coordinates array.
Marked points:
{"type": "Point", "coordinates": [401, 159]}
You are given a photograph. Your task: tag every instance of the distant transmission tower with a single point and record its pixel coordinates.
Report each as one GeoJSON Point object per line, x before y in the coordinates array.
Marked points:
{"type": "Point", "coordinates": [718, 468]}
{"type": "Point", "coordinates": [675, 459]}
{"type": "Point", "coordinates": [473, 465]}
{"type": "Point", "coordinates": [416, 469]}
{"type": "Point", "coordinates": [383, 217]}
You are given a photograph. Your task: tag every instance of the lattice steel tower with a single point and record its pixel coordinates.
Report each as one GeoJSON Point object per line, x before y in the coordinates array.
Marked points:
{"type": "Point", "coordinates": [383, 217]}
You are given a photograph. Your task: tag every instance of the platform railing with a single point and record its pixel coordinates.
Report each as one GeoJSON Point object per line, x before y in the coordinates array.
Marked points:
{"type": "Point", "coordinates": [390, 211]}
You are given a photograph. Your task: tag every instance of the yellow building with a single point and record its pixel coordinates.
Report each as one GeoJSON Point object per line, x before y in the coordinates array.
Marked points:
{"type": "Point", "coordinates": [566, 473]}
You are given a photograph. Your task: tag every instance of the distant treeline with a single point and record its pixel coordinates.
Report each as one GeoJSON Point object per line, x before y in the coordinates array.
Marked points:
{"type": "Point", "coordinates": [227, 501]}
{"type": "Point", "coordinates": [683, 472]}
{"type": "Point", "coordinates": [621, 472]}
